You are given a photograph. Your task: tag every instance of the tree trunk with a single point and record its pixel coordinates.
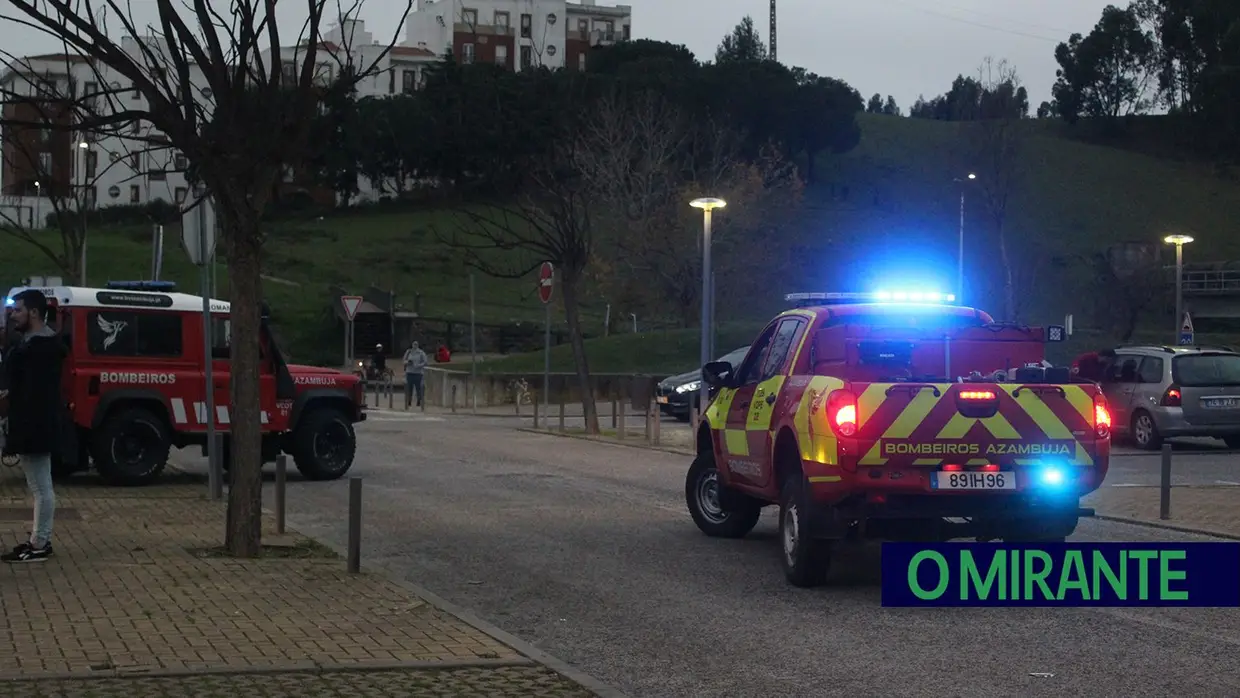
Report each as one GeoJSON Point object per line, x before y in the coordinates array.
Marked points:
{"type": "Point", "coordinates": [243, 536]}
{"type": "Point", "coordinates": [572, 314]}
{"type": "Point", "coordinates": [1009, 285]}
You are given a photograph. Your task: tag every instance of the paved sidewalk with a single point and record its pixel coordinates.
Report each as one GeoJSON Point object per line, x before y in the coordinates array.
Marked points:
{"type": "Point", "coordinates": [137, 586]}
{"type": "Point", "coordinates": [1210, 508]}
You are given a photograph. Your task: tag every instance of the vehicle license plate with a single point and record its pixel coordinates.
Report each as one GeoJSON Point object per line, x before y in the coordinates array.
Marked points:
{"type": "Point", "coordinates": [973, 481]}
{"type": "Point", "coordinates": [662, 399]}
{"type": "Point", "coordinates": [1221, 403]}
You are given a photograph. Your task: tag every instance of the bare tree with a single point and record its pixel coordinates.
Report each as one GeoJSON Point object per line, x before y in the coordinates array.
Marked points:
{"type": "Point", "coordinates": [549, 220]}
{"type": "Point", "coordinates": [62, 167]}
{"type": "Point", "coordinates": [997, 151]}
{"type": "Point", "coordinates": [646, 160]}
{"type": "Point", "coordinates": [226, 90]}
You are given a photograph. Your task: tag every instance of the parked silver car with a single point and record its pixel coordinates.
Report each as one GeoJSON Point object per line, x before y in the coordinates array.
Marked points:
{"type": "Point", "coordinates": [1162, 392]}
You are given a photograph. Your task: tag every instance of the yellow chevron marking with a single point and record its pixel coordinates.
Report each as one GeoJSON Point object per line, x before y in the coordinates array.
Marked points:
{"type": "Point", "coordinates": [815, 446]}
{"type": "Point", "coordinates": [869, 402]}
{"type": "Point", "coordinates": [927, 461]}
{"type": "Point", "coordinates": [1081, 400]}
{"type": "Point", "coordinates": [761, 411]}
{"type": "Point", "coordinates": [997, 425]}
{"type": "Point", "coordinates": [1040, 413]}
{"type": "Point", "coordinates": [736, 441]}
{"type": "Point", "coordinates": [914, 413]}
{"type": "Point", "coordinates": [978, 461]}
{"type": "Point", "coordinates": [717, 412]}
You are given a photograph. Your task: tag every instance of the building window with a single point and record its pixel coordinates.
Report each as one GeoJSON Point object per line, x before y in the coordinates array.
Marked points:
{"type": "Point", "coordinates": [91, 195]}
{"type": "Point", "coordinates": [467, 53]}
{"type": "Point", "coordinates": [135, 161]}
{"type": "Point", "coordinates": [501, 22]}
{"type": "Point", "coordinates": [626, 32]}
{"type": "Point", "coordinates": [92, 163]}
{"type": "Point", "coordinates": [392, 81]}
{"type": "Point", "coordinates": [90, 89]}
{"type": "Point", "coordinates": [501, 55]}
{"type": "Point", "coordinates": [180, 194]}
{"type": "Point", "coordinates": [581, 61]}
{"type": "Point", "coordinates": [135, 194]}
{"type": "Point", "coordinates": [409, 81]}
{"type": "Point", "coordinates": [289, 71]}
{"type": "Point", "coordinates": [180, 162]}
{"type": "Point", "coordinates": [126, 333]}
{"type": "Point", "coordinates": [135, 95]}
{"type": "Point", "coordinates": [470, 18]}
{"type": "Point", "coordinates": [527, 26]}
{"type": "Point", "coordinates": [45, 164]}
{"type": "Point", "coordinates": [156, 171]}
{"type": "Point", "coordinates": [583, 27]}
{"type": "Point", "coordinates": [527, 57]}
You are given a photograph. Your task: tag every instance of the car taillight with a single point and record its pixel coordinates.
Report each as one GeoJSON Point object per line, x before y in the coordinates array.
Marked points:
{"type": "Point", "coordinates": [1171, 398]}
{"type": "Point", "coordinates": [842, 412]}
{"type": "Point", "coordinates": [1102, 417]}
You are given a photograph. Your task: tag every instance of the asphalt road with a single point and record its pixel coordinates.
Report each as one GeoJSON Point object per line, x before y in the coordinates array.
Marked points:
{"type": "Point", "coordinates": [586, 550]}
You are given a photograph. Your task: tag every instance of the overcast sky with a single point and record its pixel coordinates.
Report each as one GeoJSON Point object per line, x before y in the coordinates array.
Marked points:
{"type": "Point", "coordinates": [898, 47]}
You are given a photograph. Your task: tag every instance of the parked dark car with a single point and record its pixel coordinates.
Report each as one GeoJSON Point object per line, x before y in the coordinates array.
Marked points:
{"type": "Point", "coordinates": [678, 394]}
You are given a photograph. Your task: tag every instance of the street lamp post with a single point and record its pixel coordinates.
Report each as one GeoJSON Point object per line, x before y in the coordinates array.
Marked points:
{"type": "Point", "coordinates": [38, 203]}
{"type": "Point", "coordinates": [1179, 241]}
{"type": "Point", "coordinates": [707, 205]}
{"type": "Point", "coordinates": [85, 148]}
{"type": "Point", "coordinates": [960, 239]}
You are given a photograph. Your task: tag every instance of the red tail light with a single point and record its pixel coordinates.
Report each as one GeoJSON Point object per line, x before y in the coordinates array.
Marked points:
{"type": "Point", "coordinates": [952, 468]}
{"type": "Point", "coordinates": [1171, 398]}
{"type": "Point", "coordinates": [1102, 417]}
{"type": "Point", "coordinates": [990, 468]}
{"type": "Point", "coordinates": [976, 395]}
{"type": "Point", "coordinates": [842, 412]}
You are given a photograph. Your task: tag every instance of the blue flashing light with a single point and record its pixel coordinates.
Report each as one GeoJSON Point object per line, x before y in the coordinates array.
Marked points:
{"type": "Point", "coordinates": [896, 297]}
{"type": "Point", "coordinates": [914, 297]}
{"type": "Point", "coordinates": [8, 302]}
{"type": "Point", "coordinates": [1051, 476]}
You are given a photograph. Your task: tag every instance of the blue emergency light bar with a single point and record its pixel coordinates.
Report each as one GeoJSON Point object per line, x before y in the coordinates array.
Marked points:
{"type": "Point", "coordinates": [803, 299]}
{"type": "Point", "coordinates": [156, 286]}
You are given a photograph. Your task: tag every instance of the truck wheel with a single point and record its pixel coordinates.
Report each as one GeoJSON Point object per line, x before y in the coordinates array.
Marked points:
{"type": "Point", "coordinates": [131, 447]}
{"type": "Point", "coordinates": [707, 503]}
{"type": "Point", "coordinates": [806, 561]}
{"type": "Point", "coordinates": [324, 445]}
{"type": "Point", "coordinates": [1145, 432]}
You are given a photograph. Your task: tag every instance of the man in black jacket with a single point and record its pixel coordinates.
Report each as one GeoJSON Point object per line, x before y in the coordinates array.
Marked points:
{"type": "Point", "coordinates": [32, 373]}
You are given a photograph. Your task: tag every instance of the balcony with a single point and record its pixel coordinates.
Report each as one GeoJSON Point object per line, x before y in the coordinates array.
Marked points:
{"type": "Point", "coordinates": [483, 29]}
{"type": "Point", "coordinates": [600, 37]}
{"type": "Point", "coordinates": [1210, 282]}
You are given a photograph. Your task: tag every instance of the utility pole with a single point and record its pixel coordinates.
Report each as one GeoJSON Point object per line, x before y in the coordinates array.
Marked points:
{"type": "Point", "coordinates": [772, 51]}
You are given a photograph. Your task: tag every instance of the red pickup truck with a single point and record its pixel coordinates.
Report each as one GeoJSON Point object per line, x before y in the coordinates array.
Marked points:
{"type": "Point", "coordinates": [911, 421]}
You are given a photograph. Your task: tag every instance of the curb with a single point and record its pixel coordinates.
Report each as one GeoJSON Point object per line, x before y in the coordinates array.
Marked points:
{"type": "Point", "coordinates": [291, 668]}
{"type": "Point", "coordinates": [536, 655]}
{"type": "Point", "coordinates": [582, 437]}
{"type": "Point", "coordinates": [1167, 526]}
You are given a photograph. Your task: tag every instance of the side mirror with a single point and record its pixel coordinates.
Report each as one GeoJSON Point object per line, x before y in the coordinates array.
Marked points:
{"type": "Point", "coordinates": [716, 374]}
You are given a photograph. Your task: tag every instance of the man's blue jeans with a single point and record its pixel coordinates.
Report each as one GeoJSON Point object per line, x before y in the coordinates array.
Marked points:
{"type": "Point", "coordinates": [39, 479]}
{"type": "Point", "coordinates": [413, 384]}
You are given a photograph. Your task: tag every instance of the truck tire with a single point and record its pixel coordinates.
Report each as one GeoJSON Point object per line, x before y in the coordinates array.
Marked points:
{"type": "Point", "coordinates": [131, 447]}
{"type": "Point", "coordinates": [713, 514]}
{"type": "Point", "coordinates": [324, 444]}
{"type": "Point", "coordinates": [806, 560]}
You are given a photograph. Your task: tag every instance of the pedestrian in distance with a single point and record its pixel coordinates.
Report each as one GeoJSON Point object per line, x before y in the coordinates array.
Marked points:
{"type": "Point", "coordinates": [415, 364]}
{"type": "Point", "coordinates": [32, 370]}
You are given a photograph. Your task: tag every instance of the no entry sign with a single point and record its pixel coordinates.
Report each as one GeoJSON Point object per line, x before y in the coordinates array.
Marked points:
{"type": "Point", "coordinates": [546, 281]}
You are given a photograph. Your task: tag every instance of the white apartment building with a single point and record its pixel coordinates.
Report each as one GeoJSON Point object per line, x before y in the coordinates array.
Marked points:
{"type": "Point", "coordinates": [86, 169]}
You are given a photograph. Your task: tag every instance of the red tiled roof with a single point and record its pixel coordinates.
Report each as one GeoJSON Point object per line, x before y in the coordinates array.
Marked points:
{"type": "Point", "coordinates": [411, 51]}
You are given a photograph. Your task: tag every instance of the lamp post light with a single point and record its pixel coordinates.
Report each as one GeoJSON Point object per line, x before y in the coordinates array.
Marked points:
{"type": "Point", "coordinates": [38, 204]}
{"type": "Point", "coordinates": [960, 238]}
{"type": "Point", "coordinates": [708, 205]}
{"type": "Point", "coordinates": [85, 148]}
{"type": "Point", "coordinates": [1179, 241]}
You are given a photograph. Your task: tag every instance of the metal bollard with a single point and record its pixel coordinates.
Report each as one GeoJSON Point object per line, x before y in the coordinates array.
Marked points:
{"type": "Point", "coordinates": [649, 428]}
{"type": "Point", "coordinates": [622, 422]}
{"type": "Point", "coordinates": [614, 424]}
{"type": "Point", "coordinates": [1164, 500]}
{"type": "Point", "coordinates": [562, 408]}
{"type": "Point", "coordinates": [391, 385]}
{"type": "Point", "coordinates": [535, 411]}
{"type": "Point", "coordinates": [355, 525]}
{"type": "Point", "coordinates": [454, 399]}
{"type": "Point", "coordinates": [656, 420]}
{"type": "Point", "coordinates": [281, 477]}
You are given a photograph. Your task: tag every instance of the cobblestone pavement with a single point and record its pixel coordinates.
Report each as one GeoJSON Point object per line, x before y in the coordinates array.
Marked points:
{"type": "Point", "coordinates": [134, 586]}
{"type": "Point", "coordinates": [508, 682]}
{"type": "Point", "coordinates": [1210, 508]}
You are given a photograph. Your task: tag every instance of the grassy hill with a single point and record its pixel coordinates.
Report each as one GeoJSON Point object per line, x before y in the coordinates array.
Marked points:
{"type": "Point", "coordinates": [888, 209]}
